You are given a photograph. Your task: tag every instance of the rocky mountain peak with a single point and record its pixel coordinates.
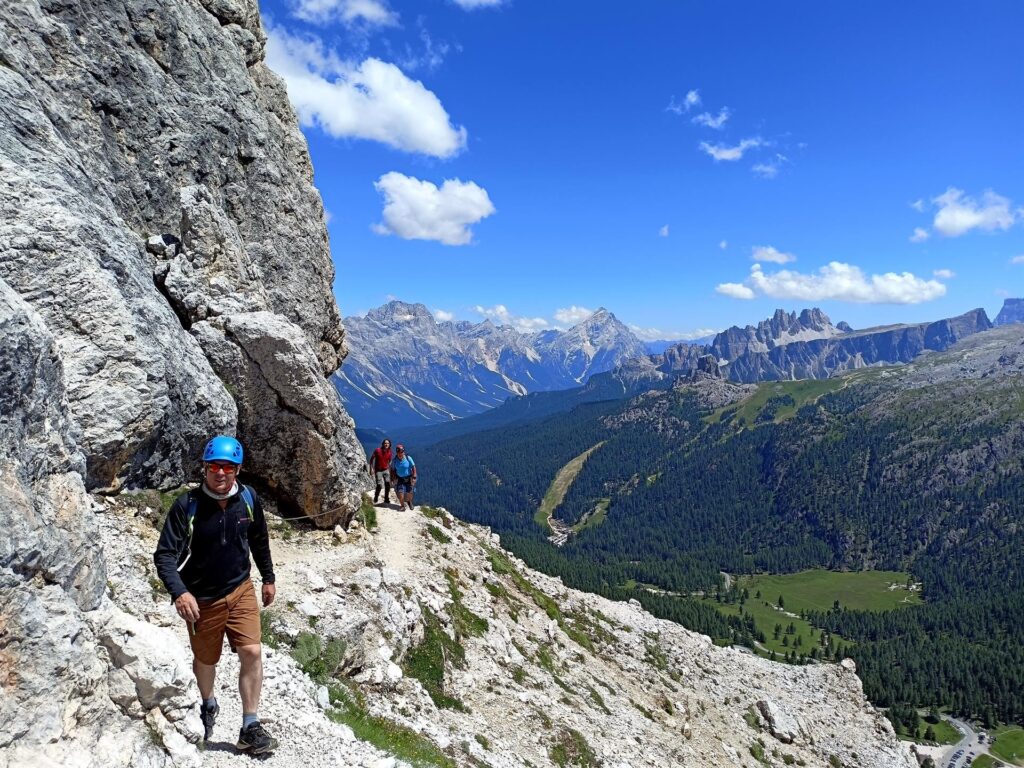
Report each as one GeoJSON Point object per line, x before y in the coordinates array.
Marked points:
{"type": "Point", "coordinates": [397, 312]}
{"type": "Point", "coordinates": [405, 369]}
{"type": "Point", "coordinates": [1012, 312]}
{"type": "Point", "coordinates": [783, 326]}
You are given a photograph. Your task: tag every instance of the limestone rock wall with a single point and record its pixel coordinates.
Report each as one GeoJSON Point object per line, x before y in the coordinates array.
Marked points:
{"type": "Point", "coordinates": [156, 192]}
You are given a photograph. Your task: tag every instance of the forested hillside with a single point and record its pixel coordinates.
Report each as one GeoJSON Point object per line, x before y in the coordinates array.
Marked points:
{"type": "Point", "coordinates": [915, 468]}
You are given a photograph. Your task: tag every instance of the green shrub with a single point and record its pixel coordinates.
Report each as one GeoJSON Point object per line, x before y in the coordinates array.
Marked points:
{"type": "Point", "coordinates": [438, 535]}
{"type": "Point", "coordinates": [368, 513]}
{"type": "Point", "coordinates": [316, 660]}
{"type": "Point", "coordinates": [571, 748]}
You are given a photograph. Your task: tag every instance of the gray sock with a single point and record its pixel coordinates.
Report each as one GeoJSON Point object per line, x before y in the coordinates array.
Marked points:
{"type": "Point", "coordinates": [248, 718]}
{"type": "Point", "coordinates": [210, 703]}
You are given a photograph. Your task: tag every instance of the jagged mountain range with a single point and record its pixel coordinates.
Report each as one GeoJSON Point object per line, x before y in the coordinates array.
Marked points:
{"type": "Point", "coordinates": [789, 345]}
{"type": "Point", "coordinates": [408, 370]}
{"type": "Point", "coordinates": [405, 368]}
{"type": "Point", "coordinates": [804, 346]}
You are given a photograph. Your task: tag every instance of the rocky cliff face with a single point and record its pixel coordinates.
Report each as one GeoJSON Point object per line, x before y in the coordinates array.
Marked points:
{"type": "Point", "coordinates": [1012, 312]}
{"type": "Point", "coordinates": [157, 212]}
{"type": "Point", "coordinates": [164, 275]}
{"type": "Point", "coordinates": [406, 369]}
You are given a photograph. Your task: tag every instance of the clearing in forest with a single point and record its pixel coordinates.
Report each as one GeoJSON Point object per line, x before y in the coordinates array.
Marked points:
{"type": "Point", "coordinates": [560, 486]}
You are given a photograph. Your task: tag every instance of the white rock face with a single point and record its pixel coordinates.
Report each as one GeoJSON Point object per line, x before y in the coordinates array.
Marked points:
{"type": "Point", "coordinates": [157, 212]}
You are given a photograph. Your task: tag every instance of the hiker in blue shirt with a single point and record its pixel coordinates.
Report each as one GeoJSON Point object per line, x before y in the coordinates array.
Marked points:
{"type": "Point", "coordinates": [403, 473]}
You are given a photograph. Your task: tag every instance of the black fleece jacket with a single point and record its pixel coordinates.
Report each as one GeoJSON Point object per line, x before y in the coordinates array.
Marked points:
{"type": "Point", "coordinates": [221, 541]}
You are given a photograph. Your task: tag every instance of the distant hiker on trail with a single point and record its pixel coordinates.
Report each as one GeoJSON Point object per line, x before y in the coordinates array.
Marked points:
{"type": "Point", "coordinates": [203, 560]}
{"type": "Point", "coordinates": [380, 470]}
{"type": "Point", "coordinates": [403, 474]}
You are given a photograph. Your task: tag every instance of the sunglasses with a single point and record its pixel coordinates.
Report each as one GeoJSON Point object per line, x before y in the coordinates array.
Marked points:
{"type": "Point", "coordinates": [227, 469]}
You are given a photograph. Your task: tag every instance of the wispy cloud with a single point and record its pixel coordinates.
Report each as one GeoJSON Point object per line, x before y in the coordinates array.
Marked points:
{"type": "Point", "coordinates": [1017, 259]}
{"type": "Point", "coordinates": [723, 152]}
{"type": "Point", "coordinates": [918, 205]}
{"type": "Point", "coordinates": [769, 253]}
{"type": "Point", "coordinates": [919, 235]}
{"type": "Point", "coordinates": [470, 5]}
{"type": "Point", "coordinates": [836, 281]}
{"type": "Point", "coordinates": [443, 316]}
{"type": "Point", "coordinates": [958, 213]}
{"type": "Point", "coordinates": [420, 210]}
{"type": "Point", "coordinates": [370, 100]}
{"type": "Point", "coordinates": [500, 314]}
{"type": "Point", "coordinates": [723, 244]}
{"type": "Point", "coordinates": [770, 169]}
{"type": "Point", "coordinates": [944, 274]}
{"type": "Point", "coordinates": [713, 121]}
{"type": "Point", "coordinates": [663, 232]}
{"type": "Point", "coordinates": [660, 334]}
{"type": "Point", "coordinates": [691, 100]}
{"type": "Point", "coordinates": [428, 58]}
{"type": "Point", "coordinates": [572, 315]}
{"type": "Point", "coordinates": [369, 12]}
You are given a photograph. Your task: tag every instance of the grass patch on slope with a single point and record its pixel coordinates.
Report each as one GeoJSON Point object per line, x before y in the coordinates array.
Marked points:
{"type": "Point", "coordinates": [349, 708]}
{"type": "Point", "coordinates": [560, 486]}
{"type": "Point", "coordinates": [428, 660]}
{"type": "Point", "coordinates": [776, 401]}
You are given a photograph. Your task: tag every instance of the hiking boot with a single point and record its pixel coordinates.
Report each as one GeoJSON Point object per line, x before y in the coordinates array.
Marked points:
{"type": "Point", "coordinates": [208, 717]}
{"type": "Point", "coordinates": [255, 740]}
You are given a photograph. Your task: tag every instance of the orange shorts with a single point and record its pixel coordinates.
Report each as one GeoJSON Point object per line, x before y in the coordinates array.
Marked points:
{"type": "Point", "coordinates": [236, 614]}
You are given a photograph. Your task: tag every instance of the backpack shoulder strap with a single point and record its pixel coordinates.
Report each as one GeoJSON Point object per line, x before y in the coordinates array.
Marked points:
{"type": "Point", "coordinates": [190, 511]}
{"type": "Point", "coordinates": [246, 494]}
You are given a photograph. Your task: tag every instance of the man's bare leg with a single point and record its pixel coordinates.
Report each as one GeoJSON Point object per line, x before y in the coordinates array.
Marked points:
{"type": "Point", "coordinates": [250, 678]}
{"type": "Point", "coordinates": [205, 676]}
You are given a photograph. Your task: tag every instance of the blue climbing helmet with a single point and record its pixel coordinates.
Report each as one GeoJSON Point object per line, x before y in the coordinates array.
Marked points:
{"type": "Point", "coordinates": [223, 448]}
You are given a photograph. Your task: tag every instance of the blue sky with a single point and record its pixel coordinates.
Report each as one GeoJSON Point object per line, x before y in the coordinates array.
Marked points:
{"type": "Point", "coordinates": [688, 165]}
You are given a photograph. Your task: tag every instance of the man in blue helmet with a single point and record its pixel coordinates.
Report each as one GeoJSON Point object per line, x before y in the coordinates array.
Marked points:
{"type": "Point", "coordinates": [203, 560]}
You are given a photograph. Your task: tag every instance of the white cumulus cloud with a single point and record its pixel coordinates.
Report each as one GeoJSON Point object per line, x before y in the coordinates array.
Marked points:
{"type": "Point", "coordinates": [420, 210]}
{"type": "Point", "coordinates": [768, 253]}
{"type": "Point", "coordinates": [369, 12]}
{"type": "Point", "coordinates": [944, 274]}
{"type": "Point", "coordinates": [442, 316]}
{"type": "Point", "coordinates": [572, 315]}
{"type": "Point", "coordinates": [735, 290]}
{"type": "Point", "coordinates": [722, 152]}
{"type": "Point", "coordinates": [372, 99]}
{"type": "Point", "coordinates": [500, 314]}
{"type": "Point", "coordinates": [663, 232]}
{"type": "Point", "coordinates": [713, 121]}
{"type": "Point", "coordinates": [958, 213]}
{"type": "Point", "coordinates": [836, 281]}
{"type": "Point", "coordinates": [919, 236]}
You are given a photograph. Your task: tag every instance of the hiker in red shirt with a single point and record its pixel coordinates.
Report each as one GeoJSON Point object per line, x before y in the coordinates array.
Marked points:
{"type": "Point", "coordinates": [379, 464]}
